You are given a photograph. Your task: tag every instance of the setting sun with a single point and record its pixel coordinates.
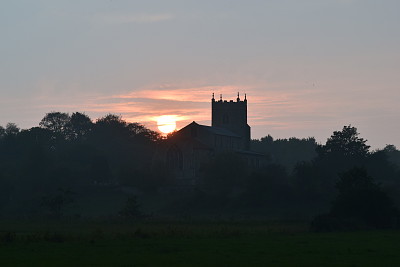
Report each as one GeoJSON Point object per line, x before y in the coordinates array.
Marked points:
{"type": "Point", "coordinates": [166, 123]}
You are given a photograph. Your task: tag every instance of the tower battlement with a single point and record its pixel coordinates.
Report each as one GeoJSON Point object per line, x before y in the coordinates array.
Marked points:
{"type": "Point", "coordinates": [230, 101]}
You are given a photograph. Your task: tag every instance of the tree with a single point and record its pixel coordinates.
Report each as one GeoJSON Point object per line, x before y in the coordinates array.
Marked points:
{"type": "Point", "coordinates": [382, 165]}
{"type": "Point", "coordinates": [138, 130]}
{"type": "Point", "coordinates": [342, 151]}
{"type": "Point", "coordinates": [57, 122]}
{"type": "Point", "coordinates": [127, 144]}
{"type": "Point", "coordinates": [11, 129]}
{"type": "Point", "coordinates": [80, 125]}
{"type": "Point", "coordinates": [111, 120]}
{"type": "Point", "coordinates": [345, 143]}
{"type": "Point", "coordinates": [2, 131]}
{"type": "Point", "coordinates": [360, 203]}
{"type": "Point", "coordinates": [393, 154]}
{"type": "Point", "coordinates": [111, 128]}
{"type": "Point", "coordinates": [287, 152]}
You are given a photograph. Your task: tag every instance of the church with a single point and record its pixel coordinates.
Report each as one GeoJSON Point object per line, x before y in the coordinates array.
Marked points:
{"type": "Point", "coordinates": [187, 149]}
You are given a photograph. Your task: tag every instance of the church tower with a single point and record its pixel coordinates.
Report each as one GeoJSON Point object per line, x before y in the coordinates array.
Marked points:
{"type": "Point", "coordinates": [231, 115]}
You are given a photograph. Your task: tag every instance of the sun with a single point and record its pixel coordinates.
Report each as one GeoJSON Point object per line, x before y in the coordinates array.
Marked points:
{"type": "Point", "coordinates": [166, 123]}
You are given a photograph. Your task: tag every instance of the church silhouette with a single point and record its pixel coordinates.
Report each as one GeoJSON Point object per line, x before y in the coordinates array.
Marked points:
{"type": "Point", "coordinates": [193, 145]}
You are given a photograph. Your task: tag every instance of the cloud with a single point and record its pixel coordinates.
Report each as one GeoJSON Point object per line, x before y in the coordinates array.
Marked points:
{"type": "Point", "coordinates": [132, 18]}
{"type": "Point", "coordinates": [189, 102]}
{"type": "Point", "coordinates": [282, 110]}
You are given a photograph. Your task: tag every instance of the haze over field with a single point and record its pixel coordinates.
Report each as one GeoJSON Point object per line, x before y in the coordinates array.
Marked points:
{"type": "Point", "coordinates": [308, 67]}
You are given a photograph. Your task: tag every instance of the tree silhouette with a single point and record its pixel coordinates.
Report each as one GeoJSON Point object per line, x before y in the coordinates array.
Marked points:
{"type": "Point", "coordinates": [393, 154]}
{"type": "Point", "coordinates": [57, 122]}
{"type": "Point", "coordinates": [112, 121]}
{"type": "Point", "coordinates": [80, 126]}
{"type": "Point", "coordinates": [345, 143]}
{"type": "Point", "coordinates": [2, 131]}
{"type": "Point", "coordinates": [95, 158]}
{"type": "Point", "coordinates": [360, 203]}
{"type": "Point", "coordinates": [11, 129]}
{"type": "Point", "coordinates": [287, 152]}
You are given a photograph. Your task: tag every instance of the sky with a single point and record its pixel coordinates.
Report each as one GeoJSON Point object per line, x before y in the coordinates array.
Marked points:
{"type": "Point", "coordinates": [308, 67]}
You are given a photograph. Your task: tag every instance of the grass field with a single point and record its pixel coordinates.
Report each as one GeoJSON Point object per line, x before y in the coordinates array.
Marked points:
{"type": "Point", "coordinates": [191, 244]}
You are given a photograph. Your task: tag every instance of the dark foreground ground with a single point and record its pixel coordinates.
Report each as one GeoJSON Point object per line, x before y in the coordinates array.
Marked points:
{"type": "Point", "coordinates": [191, 244]}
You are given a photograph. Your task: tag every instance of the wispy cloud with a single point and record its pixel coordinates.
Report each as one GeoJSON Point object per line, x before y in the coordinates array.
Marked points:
{"type": "Point", "coordinates": [269, 107]}
{"type": "Point", "coordinates": [188, 103]}
{"type": "Point", "coordinates": [132, 18]}
{"type": "Point", "coordinates": [276, 109]}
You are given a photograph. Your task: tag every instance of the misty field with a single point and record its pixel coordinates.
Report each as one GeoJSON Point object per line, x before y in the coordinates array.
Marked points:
{"type": "Point", "coordinates": [192, 244]}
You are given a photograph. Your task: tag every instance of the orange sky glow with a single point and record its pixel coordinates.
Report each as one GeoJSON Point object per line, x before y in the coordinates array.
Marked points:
{"type": "Point", "coordinates": [270, 110]}
{"type": "Point", "coordinates": [305, 73]}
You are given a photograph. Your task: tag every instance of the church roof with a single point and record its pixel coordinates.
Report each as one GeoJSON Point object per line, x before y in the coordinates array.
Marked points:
{"type": "Point", "coordinates": [215, 130]}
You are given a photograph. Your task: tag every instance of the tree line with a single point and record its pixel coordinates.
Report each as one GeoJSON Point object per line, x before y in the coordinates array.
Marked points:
{"type": "Point", "coordinates": [71, 162]}
{"type": "Point", "coordinates": [71, 152]}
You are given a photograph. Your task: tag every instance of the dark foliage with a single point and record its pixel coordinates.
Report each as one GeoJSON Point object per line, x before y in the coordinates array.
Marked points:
{"type": "Point", "coordinates": [80, 126]}
{"type": "Point", "coordinates": [286, 152]}
{"type": "Point", "coordinates": [269, 184]}
{"type": "Point", "coordinates": [360, 203]}
{"type": "Point", "coordinates": [11, 129]}
{"type": "Point", "coordinates": [224, 173]}
{"type": "Point", "coordinates": [342, 151]}
{"type": "Point", "coordinates": [106, 160]}
{"type": "Point", "coordinates": [2, 131]}
{"type": "Point", "coordinates": [69, 152]}
{"type": "Point", "coordinates": [58, 123]}
{"type": "Point", "coordinates": [345, 143]}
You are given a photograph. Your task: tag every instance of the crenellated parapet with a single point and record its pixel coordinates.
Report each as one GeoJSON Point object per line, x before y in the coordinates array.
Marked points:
{"type": "Point", "coordinates": [230, 101]}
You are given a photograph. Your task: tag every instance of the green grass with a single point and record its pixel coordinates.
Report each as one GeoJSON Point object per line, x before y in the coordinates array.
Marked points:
{"type": "Point", "coordinates": [192, 244]}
